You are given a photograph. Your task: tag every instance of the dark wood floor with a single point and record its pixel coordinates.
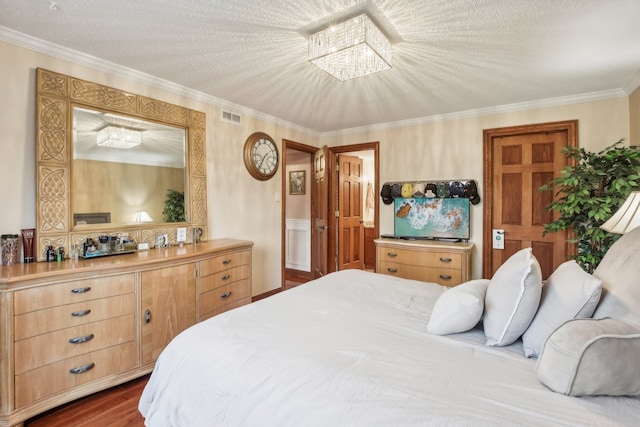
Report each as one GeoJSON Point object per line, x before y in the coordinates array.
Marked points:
{"type": "Point", "coordinates": [293, 278]}
{"type": "Point", "coordinates": [115, 407]}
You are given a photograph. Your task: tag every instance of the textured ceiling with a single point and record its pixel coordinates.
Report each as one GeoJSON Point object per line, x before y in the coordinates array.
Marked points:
{"type": "Point", "coordinates": [448, 56]}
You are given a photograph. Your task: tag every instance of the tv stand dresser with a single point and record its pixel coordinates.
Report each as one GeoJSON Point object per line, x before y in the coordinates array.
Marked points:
{"type": "Point", "coordinates": [445, 263]}
{"type": "Point", "coordinates": [71, 328]}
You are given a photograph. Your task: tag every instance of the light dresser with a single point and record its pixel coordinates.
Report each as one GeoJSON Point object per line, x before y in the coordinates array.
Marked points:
{"type": "Point", "coordinates": [71, 328]}
{"type": "Point", "coordinates": [446, 263]}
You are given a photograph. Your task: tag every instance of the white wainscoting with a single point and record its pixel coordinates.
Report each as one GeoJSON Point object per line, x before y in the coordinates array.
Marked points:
{"type": "Point", "coordinates": [298, 244]}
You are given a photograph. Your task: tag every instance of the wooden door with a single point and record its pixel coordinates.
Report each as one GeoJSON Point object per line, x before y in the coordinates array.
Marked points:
{"type": "Point", "coordinates": [320, 213]}
{"type": "Point", "coordinates": [350, 229]}
{"type": "Point", "coordinates": [168, 307]}
{"type": "Point", "coordinates": [518, 161]}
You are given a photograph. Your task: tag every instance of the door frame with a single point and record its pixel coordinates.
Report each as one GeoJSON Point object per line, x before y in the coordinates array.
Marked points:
{"type": "Point", "coordinates": [365, 146]}
{"type": "Point", "coordinates": [568, 126]}
{"type": "Point", "coordinates": [288, 144]}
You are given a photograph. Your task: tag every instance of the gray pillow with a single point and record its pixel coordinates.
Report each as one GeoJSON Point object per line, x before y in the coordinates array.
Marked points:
{"type": "Point", "coordinates": [569, 293]}
{"type": "Point", "coordinates": [512, 298]}
{"type": "Point", "coordinates": [586, 357]}
{"type": "Point", "coordinates": [619, 271]}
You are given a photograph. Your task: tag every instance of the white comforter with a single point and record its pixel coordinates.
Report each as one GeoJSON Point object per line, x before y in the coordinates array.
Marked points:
{"type": "Point", "coordinates": [351, 349]}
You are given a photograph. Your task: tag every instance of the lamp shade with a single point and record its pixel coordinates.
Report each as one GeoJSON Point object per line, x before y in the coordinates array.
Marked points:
{"type": "Point", "coordinates": [626, 218]}
{"type": "Point", "coordinates": [143, 216]}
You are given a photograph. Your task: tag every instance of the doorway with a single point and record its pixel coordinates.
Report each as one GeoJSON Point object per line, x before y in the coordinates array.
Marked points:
{"type": "Point", "coordinates": [329, 249]}
{"type": "Point", "coordinates": [296, 213]}
{"type": "Point", "coordinates": [517, 161]}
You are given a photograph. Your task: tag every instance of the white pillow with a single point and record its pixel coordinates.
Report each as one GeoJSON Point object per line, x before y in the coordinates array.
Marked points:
{"type": "Point", "coordinates": [459, 308]}
{"type": "Point", "coordinates": [587, 357]}
{"type": "Point", "coordinates": [569, 293]}
{"type": "Point", "coordinates": [512, 298]}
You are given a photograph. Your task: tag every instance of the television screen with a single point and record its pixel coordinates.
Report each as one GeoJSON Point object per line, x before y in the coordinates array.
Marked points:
{"type": "Point", "coordinates": [431, 218]}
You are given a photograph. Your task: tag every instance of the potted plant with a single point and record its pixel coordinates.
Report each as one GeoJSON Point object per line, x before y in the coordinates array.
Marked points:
{"type": "Point", "coordinates": [174, 206]}
{"type": "Point", "coordinates": [588, 193]}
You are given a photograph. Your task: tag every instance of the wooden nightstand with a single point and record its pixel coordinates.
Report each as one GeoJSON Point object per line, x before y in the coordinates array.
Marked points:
{"type": "Point", "coordinates": [445, 263]}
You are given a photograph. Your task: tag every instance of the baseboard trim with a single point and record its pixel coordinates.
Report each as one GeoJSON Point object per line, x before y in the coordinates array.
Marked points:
{"type": "Point", "coordinates": [265, 295]}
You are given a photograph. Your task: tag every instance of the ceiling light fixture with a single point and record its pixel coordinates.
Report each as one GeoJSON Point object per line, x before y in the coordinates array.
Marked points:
{"type": "Point", "coordinates": [119, 137]}
{"type": "Point", "coordinates": [350, 49]}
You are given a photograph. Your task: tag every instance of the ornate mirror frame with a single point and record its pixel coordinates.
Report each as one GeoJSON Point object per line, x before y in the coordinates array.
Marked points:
{"type": "Point", "coordinates": [57, 94]}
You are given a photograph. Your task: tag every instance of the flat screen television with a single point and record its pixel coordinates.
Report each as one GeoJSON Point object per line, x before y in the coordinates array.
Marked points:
{"type": "Point", "coordinates": [431, 218]}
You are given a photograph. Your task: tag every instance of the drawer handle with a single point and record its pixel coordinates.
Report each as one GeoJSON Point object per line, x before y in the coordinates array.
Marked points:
{"type": "Point", "coordinates": [80, 340]}
{"type": "Point", "coordinates": [226, 295]}
{"type": "Point", "coordinates": [81, 313]}
{"type": "Point", "coordinates": [392, 270]}
{"type": "Point", "coordinates": [226, 277]}
{"type": "Point", "coordinates": [226, 261]}
{"type": "Point", "coordinates": [81, 369]}
{"type": "Point", "coordinates": [445, 259]}
{"type": "Point", "coordinates": [445, 277]}
{"type": "Point", "coordinates": [80, 290]}
{"type": "Point", "coordinates": [392, 254]}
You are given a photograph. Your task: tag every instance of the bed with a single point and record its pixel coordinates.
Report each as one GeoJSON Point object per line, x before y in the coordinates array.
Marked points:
{"type": "Point", "coordinates": [352, 349]}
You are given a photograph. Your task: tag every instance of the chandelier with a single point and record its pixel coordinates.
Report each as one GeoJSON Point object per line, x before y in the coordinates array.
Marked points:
{"type": "Point", "coordinates": [350, 49]}
{"type": "Point", "coordinates": [119, 137]}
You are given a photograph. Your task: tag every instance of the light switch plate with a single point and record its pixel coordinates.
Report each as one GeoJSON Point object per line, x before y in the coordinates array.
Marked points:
{"type": "Point", "coordinates": [181, 234]}
{"type": "Point", "coordinates": [498, 239]}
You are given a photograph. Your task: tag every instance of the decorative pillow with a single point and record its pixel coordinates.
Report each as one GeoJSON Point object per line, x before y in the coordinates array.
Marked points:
{"type": "Point", "coordinates": [585, 357]}
{"type": "Point", "coordinates": [619, 271]}
{"type": "Point", "coordinates": [459, 308]}
{"type": "Point", "coordinates": [512, 298]}
{"type": "Point", "coordinates": [569, 293]}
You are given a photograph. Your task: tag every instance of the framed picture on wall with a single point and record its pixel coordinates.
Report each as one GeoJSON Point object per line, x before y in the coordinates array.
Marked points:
{"type": "Point", "coordinates": [297, 182]}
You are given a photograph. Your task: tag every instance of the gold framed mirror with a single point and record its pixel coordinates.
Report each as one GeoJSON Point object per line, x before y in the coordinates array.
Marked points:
{"type": "Point", "coordinates": [64, 104]}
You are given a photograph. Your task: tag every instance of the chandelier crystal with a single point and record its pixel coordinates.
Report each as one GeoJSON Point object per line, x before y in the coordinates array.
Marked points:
{"type": "Point", "coordinates": [119, 137]}
{"type": "Point", "coordinates": [350, 49]}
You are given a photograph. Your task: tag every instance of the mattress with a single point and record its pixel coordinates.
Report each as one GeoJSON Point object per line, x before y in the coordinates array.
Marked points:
{"type": "Point", "coordinates": [351, 349]}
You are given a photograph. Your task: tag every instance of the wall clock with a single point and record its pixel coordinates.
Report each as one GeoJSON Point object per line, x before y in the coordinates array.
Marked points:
{"type": "Point", "coordinates": [261, 156]}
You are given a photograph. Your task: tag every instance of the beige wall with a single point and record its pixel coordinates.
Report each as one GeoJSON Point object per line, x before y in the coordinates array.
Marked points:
{"type": "Point", "coordinates": [453, 148]}
{"type": "Point", "coordinates": [123, 189]}
{"type": "Point", "coordinates": [239, 206]}
{"type": "Point", "coordinates": [242, 207]}
{"type": "Point", "coordinates": [298, 205]}
{"type": "Point", "coordinates": [634, 117]}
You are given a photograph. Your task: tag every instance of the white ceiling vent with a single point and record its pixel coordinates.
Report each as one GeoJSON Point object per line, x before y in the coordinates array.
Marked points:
{"type": "Point", "coordinates": [231, 118]}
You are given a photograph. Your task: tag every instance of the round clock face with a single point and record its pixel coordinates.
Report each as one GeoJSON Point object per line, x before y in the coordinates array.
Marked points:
{"type": "Point", "coordinates": [261, 156]}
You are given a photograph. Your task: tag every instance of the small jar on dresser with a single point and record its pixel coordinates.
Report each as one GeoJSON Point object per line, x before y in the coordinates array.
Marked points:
{"type": "Point", "coordinates": [445, 263]}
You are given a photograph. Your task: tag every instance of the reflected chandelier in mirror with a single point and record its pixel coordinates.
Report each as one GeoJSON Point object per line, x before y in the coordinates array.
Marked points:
{"type": "Point", "coordinates": [59, 99]}
{"type": "Point", "coordinates": [134, 163]}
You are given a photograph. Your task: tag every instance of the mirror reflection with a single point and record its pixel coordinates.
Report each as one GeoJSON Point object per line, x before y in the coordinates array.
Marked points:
{"type": "Point", "coordinates": [124, 169]}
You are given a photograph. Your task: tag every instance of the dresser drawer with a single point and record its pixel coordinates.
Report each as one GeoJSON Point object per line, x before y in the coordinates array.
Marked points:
{"type": "Point", "coordinates": [43, 349]}
{"type": "Point", "coordinates": [223, 262]}
{"type": "Point", "coordinates": [66, 316]}
{"type": "Point", "coordinates": [57, 377]}
{"type": "Point", "coordinates": [222, 278]}
{"type": "Point", "coordinates": [71, 292]}
{"type": "Point", "coordinates": [230, 306]}
{"type": "Point", "coordinates": [424, 258]}
{"type": "Point", "coordinates": [220, 297]}
{"type": "Point", "coordinates": [442, 276]}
